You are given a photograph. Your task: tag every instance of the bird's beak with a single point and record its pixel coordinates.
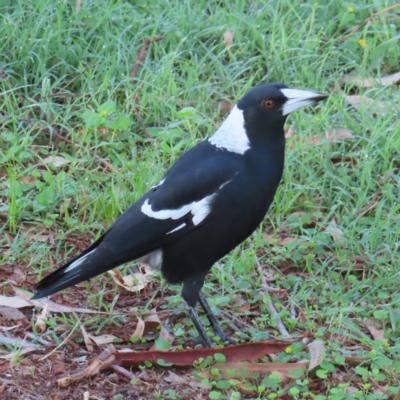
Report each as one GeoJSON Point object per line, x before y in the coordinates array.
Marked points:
{"type": "Point", "coordinates": [297, 98]}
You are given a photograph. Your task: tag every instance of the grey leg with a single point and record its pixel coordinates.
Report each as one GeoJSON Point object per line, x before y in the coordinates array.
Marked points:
{"type": "Point", "coordinates": [213, 321]}
{"type": "Point", "coordinates": [199, 326]}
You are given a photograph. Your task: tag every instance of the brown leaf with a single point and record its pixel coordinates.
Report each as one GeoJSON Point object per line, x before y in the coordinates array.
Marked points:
{"type": "Point", "coordinates": [58, 368]}
{"type": "Point", "coordinates": [251, 368]}
{"type": "Point", "coordinates": [14, 302]}
{"type": "Point", "coordinates": [369, 206]}
{"type": "Point", "coordinates": [336, 135]}
{"type": "Point", "coordinates": [236, 353]}
{"type": "Point", "coordinates": [377, 334]}
{"type": "Point", "coordinates": [316, 350]}
{"type": "Point", "coordinates": [286, 240]}
{"type": "Point", "coordinates": [130, 283]}
{"type": "Point", "coordinates": [369, 82]}
{"type": "Point", "coordinates": [368, 105]}
{"type": "Point", "coordinates": [102, 339]}
{"type": "Point", "coordinates": [289, 133]}
{"type": "Point", "coordinates": [353, 361]}
{"type": "Point", "coordinates": [228, 38]}
{"type": "Point", "coordinates": [88, 343]}
{"type": "Point", "coordinates": [334, 230]}
{"type": "Point", "coordinates": [164, 334]}
{"type": "Point", "coordinates": [11, 313]}
{"type": "Point", "coordinates": [40, 319]}
{"type": "Point", "coordinates": [224, 107]}
{"type": "Point", "coordinates": [139, 329]}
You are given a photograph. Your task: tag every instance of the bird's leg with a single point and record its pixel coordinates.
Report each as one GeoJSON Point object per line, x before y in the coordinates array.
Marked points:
{"type": "Point", "coordinates": [213, 321]}
{"type": "Point", "coordinates": [199, 326]}
{"type": "Point", "coordinates": [190, 293]}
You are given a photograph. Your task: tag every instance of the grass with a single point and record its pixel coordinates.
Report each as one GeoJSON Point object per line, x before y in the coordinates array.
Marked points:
{"type": "Point", "coordinates": [337, 287]}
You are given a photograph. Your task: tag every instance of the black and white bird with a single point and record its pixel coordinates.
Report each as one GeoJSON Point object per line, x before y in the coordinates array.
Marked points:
{"type": "Point", "coordinates": [210, 201]}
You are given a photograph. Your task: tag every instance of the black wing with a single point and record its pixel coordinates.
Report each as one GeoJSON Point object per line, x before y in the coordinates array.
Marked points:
{"type": "Point", "coordinates": [178, 204]}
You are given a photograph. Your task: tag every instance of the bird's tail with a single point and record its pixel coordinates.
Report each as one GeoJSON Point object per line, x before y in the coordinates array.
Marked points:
{"type": "Point", "coordinates": [92, 262]}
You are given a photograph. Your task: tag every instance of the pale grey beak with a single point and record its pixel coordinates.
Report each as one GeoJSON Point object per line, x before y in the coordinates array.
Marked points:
{"type": "Point", "coordinates": [297, 98]}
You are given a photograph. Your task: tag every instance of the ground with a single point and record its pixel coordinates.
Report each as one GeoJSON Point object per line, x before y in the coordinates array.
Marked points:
{"type": "Point", "coordinates": [91, 115]}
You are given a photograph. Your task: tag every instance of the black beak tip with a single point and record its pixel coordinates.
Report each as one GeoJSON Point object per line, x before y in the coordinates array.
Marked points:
{"type": "Point", "coordinates": [320, 96]}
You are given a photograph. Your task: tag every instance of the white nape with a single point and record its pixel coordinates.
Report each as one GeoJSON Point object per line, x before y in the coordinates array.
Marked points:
{"type": "Point", "coordinates": [78, 262]}
{"type": "Point", "coordinates": [296, 99]}
{"type": "Point", "coordinates": [232, 135]}
{"type": "Point", "coordinates": [199, 209]}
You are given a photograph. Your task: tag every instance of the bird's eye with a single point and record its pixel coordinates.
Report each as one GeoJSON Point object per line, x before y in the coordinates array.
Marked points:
{"type": "Point", "coordinates": [268, 103]}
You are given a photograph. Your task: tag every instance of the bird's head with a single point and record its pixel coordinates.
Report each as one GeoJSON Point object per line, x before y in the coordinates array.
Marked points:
{"type": "Point", "coordinates": [260, 115]}
{"type": "Point", "coordinates": [267, 106]}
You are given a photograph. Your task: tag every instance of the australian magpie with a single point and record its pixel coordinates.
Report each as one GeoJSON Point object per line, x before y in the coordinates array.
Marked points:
{"type": "Point", "coordinates": [210, 201]}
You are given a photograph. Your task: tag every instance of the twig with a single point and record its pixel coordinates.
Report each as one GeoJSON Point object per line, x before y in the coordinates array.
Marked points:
{"type": "Point", "coordinates": [141, 122]}
{"type": "Point", "coordinates": [104, 360]}
{"type": "Point", "coordinates": [230, 316]}
{"type": "Point", "coordinates": [371, 17]}
{"type": "Point", "coordinates": [377, 385]}
{"type": "Point", "coordinates": [279, 324]}
{"type": "Point", "coordinates": [29, 393]}
{"type": "Point", "coordinates": [142, 54]}
{"type": "Point", "coordinates": [140, 58]}
{"type": "Point", "coordinates": [123, 371]}
{"type": "Point", "coordinates": [74, 79]}
{"type": "Point", "coordinates": [264, 280]}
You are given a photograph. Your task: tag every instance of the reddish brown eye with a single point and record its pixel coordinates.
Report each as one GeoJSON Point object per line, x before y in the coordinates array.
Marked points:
{"type": "Point", "coordinates": [268, 103]}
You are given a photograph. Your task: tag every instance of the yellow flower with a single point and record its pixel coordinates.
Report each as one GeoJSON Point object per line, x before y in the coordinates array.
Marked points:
{"type": "Point", "coordinates": [288, 350]}
{"type": "Point", "coordinates": [350, 9]}
{"type": "Point", "coordinates": [103, 113]}
{"type": "Point", "coordinates": [361, 42]}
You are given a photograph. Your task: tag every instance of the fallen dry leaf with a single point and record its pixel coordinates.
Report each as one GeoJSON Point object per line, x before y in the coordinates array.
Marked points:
{"type": "Point", "coordinates": [334, 230]}
{"type": "Point", "coordinates": [14, 302]}
{"type": "Point", "coordinates": [86, 338]}
{"type": "Point", "coordinates": [58, 368]}
{"type": "Point", "coordinates": [286, 240]}
{"type": "Point", "coordinates": [316, 350]}
{"type": "Point", "coordinates": [139, 329]}
{"type": "Point", "coordinates": [57, 161]}
{"type": "Point", "coordinates": [228, 38]}
{"type": "Point", "coordinates": [236, 353]}
{"type": "Point", "coordinates": [289, 132]}
{"type": "Point", "coordinates": [40, 319]}
{"type": "Point", "coordinates": [369, 82]}
{"type": "Point", "coordinates": [369, 206]}
{"type": "Point", "coordinates": [224, 107]}
{"type": "Point", "coordinates": [377, 334]}
{"type": "Point", "coordinates": [251, 368]}
{"type": "Point", "coordinates": [164, 334]}
{"type": "Point", "coordinates": [336, 135]}
{"type": "Point", "coordinates": [130, 283]}
{"type": "Point", "coordinates": [23, 300]}
{"type": "Point", "coordinates": [102, 339]}
{"type": "Point", "coordinates": [368, 105]}
{"type": "Point", "coordinates": [11, 313]}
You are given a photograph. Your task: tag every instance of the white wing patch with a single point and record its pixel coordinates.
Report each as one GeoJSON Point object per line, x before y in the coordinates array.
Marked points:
{"type": "Point", "coordinates": [177, 228]}
{"type": "Point", "coordinates": [199, 209]}
{"type": "Point", "coordinates": [158, 184]}
{"type": "Point", "coordinates": [78, 262]}
{"type": "Point", "coordinates": [232, 134]}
